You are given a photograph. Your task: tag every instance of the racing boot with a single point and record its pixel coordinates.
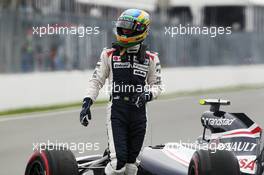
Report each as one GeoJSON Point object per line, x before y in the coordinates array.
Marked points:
{"type": "Point", "coordinates": [109, 170]}
{"type": "Point", "coordinates": [131, 169]}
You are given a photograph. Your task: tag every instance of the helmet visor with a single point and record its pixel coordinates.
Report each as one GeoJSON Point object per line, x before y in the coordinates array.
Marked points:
{"type": "Point", "coordinates": [125, 24]}
{"type": "Point", "coordinates": [131, 25]}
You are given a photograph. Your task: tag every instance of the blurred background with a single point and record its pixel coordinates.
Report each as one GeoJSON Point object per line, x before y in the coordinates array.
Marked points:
{"type": "Point", "coordinates": [21, 51]}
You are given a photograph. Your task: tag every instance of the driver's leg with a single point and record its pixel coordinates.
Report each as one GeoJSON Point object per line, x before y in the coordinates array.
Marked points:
{"type": "Point", "coordinates": [137, 131]}
{"type": "Point", "coordinates": [117, 138]}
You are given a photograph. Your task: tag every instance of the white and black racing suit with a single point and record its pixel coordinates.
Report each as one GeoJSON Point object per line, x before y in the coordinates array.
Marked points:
{"type": "Point", "coordinates": [128, 76]}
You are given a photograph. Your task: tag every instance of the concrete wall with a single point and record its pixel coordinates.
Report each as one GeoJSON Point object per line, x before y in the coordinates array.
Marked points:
{"type": "Point", "coordinates": [36, 89]}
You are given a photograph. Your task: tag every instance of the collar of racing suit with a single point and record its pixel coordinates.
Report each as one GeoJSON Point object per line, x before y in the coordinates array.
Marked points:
{"type": "Point", "coordinates": [133, 49]}
{"type": "Point", "coordinates": [139, 50]}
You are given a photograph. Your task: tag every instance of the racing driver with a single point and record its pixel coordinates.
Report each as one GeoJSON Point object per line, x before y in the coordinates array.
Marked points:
{"type": "Point", "coordinates": [133, 74]}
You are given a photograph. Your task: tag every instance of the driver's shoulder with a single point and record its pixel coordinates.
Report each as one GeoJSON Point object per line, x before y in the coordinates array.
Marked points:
{"type": "Point", "coordinates": [153, 56]}
{"type": "Point", "coordinates": [108, 52]}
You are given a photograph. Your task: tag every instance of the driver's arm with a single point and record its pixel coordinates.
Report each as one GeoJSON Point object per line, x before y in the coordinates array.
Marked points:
{"type": "Point", "coordinates": [99, 76]}
{"type": "Point", "coordinates": [154, 76]}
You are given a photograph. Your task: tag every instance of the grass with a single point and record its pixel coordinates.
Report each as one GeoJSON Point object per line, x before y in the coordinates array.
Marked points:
{"type": "Point", "coordinates": [101, 102]}
{"type": "Point", "coordinates": [45, 108]}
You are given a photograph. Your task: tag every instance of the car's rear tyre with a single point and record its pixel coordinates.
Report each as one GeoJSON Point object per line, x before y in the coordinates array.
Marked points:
{"type": "Point", "coordinates": [52, 162]}
{"type": "Point", "coordinates": [219, 163]}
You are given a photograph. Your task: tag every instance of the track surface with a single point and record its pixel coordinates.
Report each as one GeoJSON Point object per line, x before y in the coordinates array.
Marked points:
{"type": "Point", "coordinates": [169, 121]}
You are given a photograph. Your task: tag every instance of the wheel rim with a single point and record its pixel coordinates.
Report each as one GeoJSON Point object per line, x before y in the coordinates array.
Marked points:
{"type": "Point", "coordinates": [37, 168]}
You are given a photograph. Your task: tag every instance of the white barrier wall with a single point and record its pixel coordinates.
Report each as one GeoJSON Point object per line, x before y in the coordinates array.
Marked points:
{"type": "Point", "coordinates": [38, 89]}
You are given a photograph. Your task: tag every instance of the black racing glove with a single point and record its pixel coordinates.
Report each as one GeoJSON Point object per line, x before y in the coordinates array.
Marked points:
{"type": "Point", "coordinates": [85, 114]}
{"type": "Point", "coordinates": [143, 98]}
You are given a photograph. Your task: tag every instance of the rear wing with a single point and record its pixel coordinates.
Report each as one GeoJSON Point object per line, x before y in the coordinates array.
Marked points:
{"type": "Point", "coordinates": [214, 103]}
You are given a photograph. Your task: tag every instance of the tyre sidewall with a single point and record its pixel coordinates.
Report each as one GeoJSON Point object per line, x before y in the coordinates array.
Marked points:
{"type": "Point", "coordinates": [40, 157]}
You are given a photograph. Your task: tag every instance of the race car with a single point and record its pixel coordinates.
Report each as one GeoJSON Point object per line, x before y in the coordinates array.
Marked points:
{"type": "Point", "coordinates": [230, 144]}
